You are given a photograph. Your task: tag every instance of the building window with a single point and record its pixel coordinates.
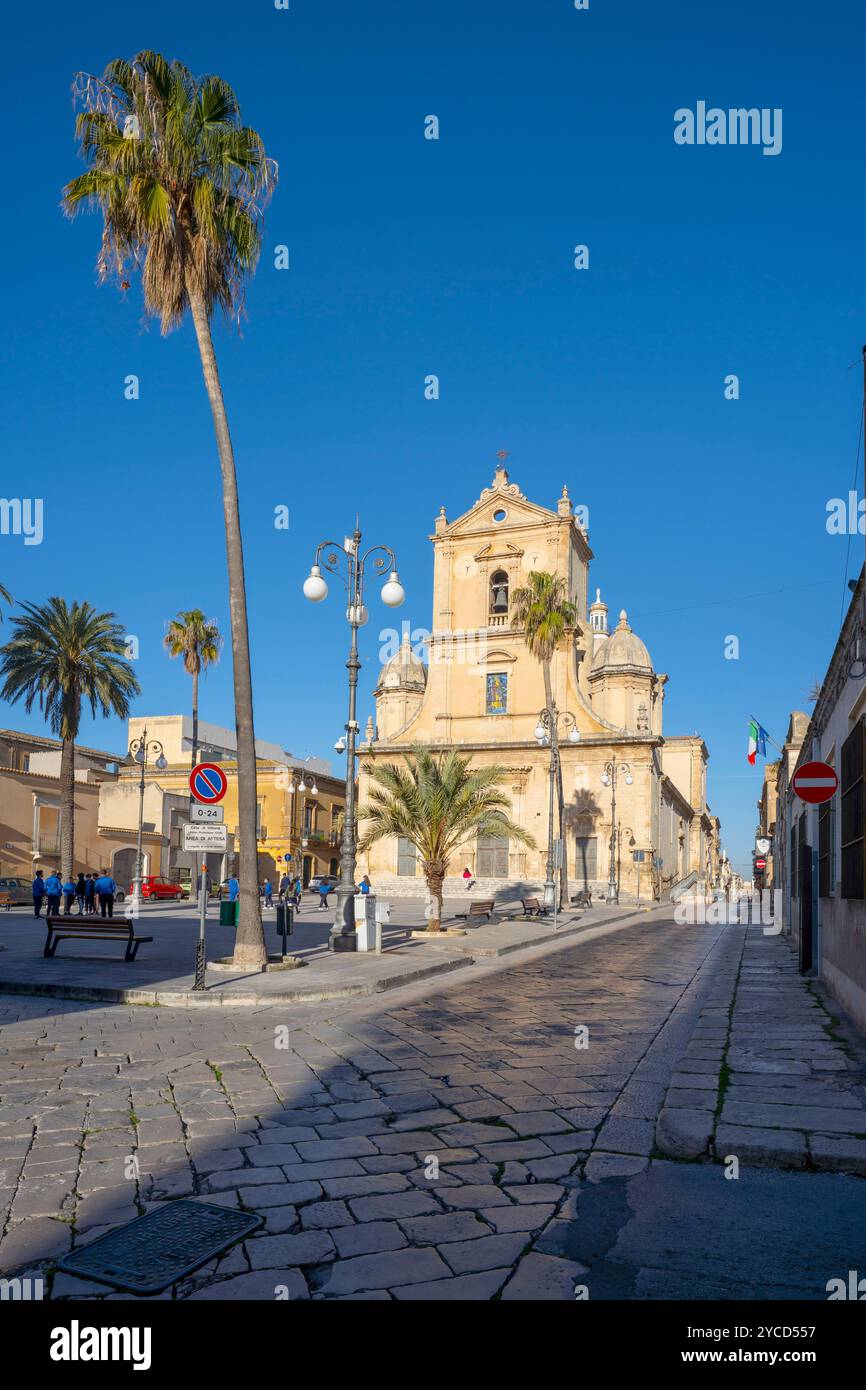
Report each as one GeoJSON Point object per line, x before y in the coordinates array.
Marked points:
{"type": "Point", "coordinates": [586, 859]}
{"type": "Point", "coordinates": [407, 858]}
{"type": "Point", "coordinates": [852, 788]}
{"type": "Point", "coordinates": [826, 849]}
{"type": "Point", "coordinates": [496, 693]}
{"type": "Point", "coordinates": [499, 594]}
{"type": "Point", "coordinates": [492, 856]}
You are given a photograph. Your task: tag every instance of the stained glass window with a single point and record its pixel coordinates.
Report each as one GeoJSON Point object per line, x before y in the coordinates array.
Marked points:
{"type": "Point", "coordinates": [497, 693]}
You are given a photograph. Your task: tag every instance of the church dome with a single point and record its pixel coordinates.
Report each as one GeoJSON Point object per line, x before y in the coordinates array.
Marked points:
{"type": "Point", "coordinates": [623, 648]}
{"type": "Point", "coordinates": [404, 671]}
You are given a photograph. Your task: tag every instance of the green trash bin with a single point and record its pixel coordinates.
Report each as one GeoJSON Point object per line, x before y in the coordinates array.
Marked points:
{"type": "Point", "coordinates": [228, 913]}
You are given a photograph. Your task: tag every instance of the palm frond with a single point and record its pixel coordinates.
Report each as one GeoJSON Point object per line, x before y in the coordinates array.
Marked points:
{"type": "Point", "coordinates": [181, 183]}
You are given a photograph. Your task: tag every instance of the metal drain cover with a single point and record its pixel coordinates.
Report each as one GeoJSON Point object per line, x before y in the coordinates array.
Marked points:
{"type": "Point", "coordinates": [152, 1252]}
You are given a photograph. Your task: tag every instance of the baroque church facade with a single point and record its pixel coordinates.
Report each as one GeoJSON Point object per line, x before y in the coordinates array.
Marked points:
{"type": "Point", "coordinates": [481, 691]}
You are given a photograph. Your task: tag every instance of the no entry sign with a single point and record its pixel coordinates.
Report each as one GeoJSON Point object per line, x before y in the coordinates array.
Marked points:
{"type": "Point", "coordinates": [815, 782]}
{"type": "Point", "coordinates": [207, 782]}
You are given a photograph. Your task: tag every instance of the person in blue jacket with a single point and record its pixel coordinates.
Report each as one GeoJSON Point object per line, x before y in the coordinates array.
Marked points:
{"type": "Point", "coordinates": [53, 889]}
{"type": "Point", "coordinates": [106, 888]}
{"type": "Point", "coordinates": [234, 889]}
{"type": "Point", "coordinates": [38, 893]}
{"type": "Point", "coordinates": [68, 895]}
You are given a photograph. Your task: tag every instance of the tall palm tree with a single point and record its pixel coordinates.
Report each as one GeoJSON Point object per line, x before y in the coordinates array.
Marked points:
{"type": "Point", "coordinates": [544, 611]}
{"type": "Point", "coordinates": [63, 657]}
{"type": "Point", "coordinates": [198, 640]}
{"type": "Point", "coordinates": [438, 804]}
{"type": "Point", "coordinates": [181, 185]}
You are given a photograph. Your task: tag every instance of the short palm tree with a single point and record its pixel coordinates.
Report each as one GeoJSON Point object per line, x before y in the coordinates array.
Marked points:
{"type": "Point", "coordinates": [544, 611]}
{"type": "Point", "coordinates": [64, 657]}
{"type": "Point", "coordinates": [198, 640]}
{"type": "Point", "coordinates": [181, 185]}
{"type": "Point", "coordinates": [438, 803]}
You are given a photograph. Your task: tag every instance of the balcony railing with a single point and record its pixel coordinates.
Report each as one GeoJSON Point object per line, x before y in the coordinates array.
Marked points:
{"type": "Point", "coordinates": [47, 844]}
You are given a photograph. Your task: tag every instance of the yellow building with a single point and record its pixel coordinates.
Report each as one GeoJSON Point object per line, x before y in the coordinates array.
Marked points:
{"type": "Point", "coordinates": [480, 690]}
{"type": "Point", "coordinates": [298, 815]}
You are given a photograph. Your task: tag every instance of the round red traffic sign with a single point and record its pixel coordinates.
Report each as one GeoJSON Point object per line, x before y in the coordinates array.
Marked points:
{"type": "Point", "coordinates": [815, 782]}
{"type": "Point", "coordinates": [208, 783]}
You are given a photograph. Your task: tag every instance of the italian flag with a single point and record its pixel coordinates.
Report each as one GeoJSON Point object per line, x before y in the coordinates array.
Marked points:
{"type": "Point", "coordinates": [756, 741]}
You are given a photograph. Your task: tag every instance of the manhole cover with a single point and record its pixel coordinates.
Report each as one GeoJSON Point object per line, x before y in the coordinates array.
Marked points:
{"type": "Point", "coordinates": [152, 1252]}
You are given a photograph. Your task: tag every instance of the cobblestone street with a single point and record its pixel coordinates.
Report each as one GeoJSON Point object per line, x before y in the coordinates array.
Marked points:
{"type": "Point", "coordinates": [475, 1139]}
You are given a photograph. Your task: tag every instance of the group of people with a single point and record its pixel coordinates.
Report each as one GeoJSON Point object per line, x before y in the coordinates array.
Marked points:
{"type": "Point", "coordinates": [94, 893]}
{"type": "Point", "coordinates": [291, 890]}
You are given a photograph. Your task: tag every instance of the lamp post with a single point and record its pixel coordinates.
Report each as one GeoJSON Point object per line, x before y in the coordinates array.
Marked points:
{"type": "Point", "coordinates": [624, 830]}
{"type": "Point", "coordinates": [138, 751]}
{"type": "Point", "coordinates": [608, 779]}
{"type": "Point", "coordinates": [343, 936]}
{"type": "Point", "coordinates": [303, 835]}
{"type": "Point", "coordinates": [547, 731]}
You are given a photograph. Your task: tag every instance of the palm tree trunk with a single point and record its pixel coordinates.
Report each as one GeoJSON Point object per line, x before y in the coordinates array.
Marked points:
{"type": "Point", "coordinates": [194, 718]}
{"type": "Point", "coordinates": [67, 808]}
{"type": "Point", "coordinates": [435, 879]}
{"type": "Point", "coordinates": [250, 948]}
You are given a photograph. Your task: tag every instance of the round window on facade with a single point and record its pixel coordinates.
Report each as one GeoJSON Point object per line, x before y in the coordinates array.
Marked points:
{"type": "Point", "coordinates": [500, 514]}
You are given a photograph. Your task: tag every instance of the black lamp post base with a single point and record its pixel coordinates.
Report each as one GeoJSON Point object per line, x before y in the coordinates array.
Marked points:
{"type": "Point", "coordinates": [343, 941]}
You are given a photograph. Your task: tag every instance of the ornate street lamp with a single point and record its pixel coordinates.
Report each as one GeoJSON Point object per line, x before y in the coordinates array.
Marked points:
{"type": "Point", "coordinates": [547, 731]}
{"type": "Point", "coordinates": [139, 750]}
{"type": "Point", "coordinates": [343, 936]}
{"type": "Point", "coordinates": [608, 779]}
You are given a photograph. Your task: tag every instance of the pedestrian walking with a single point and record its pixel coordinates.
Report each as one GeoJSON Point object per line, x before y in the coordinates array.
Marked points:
{"type": "Point", "coordinates": [53, 889]}
{"type": "Point", "coordinates": [79, 894]}
{"type": "Point", "coordinates": [68, 895]}
{"type": "Point", "coordinates": [283, 890]}
{"type": "Point", "coordinates": [468, 880]}
{"type": "Point", "coordinates": [269, 893]}
{"type": "Point", "coordinates": [234, 889]}
{"type": "Point", "coordinates": [207, 886]}
{"type": "Point", "coordinates": [38, 890]}
{"type": "Point", "coordinates": [297, 892]}
{"type": "Point", "coordinates": [90, 893]}
{"type": "Point", "coordinates": [365, 886]}
{"type": "Point", "coordinates": [106, 888]}
{"type": "Point", "coordinates": [324, 890]}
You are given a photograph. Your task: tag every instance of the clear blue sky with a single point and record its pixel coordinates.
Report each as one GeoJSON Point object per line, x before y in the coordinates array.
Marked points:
{"type": "Point", "coordinates": [455, 257]}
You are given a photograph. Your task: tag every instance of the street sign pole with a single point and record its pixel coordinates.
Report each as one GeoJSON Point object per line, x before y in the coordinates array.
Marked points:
{"type": "Point", "coordinates": [200, 964]}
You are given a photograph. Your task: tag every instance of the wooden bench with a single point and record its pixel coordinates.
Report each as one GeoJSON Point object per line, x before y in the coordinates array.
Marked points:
{"type": "Point", "coordinates": [484, 909]}
{"type": "Point", "coordinates": [582, 899]}
{"type": "Point", "coordinates": [100, 929]}
{"type": "Point", "coordinates": [532, 907]}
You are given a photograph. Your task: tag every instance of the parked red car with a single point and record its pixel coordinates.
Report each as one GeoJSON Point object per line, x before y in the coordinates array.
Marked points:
{"type": "Point", "coordinates": [153, 887]}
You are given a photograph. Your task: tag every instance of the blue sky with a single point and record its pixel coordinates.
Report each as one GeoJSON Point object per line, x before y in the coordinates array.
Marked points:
{"type": "Point", "coordinates": [409, 257]}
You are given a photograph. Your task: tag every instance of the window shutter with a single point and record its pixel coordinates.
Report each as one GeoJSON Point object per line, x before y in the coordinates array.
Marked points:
{"type": "Point", "coordinates": [851, 801]}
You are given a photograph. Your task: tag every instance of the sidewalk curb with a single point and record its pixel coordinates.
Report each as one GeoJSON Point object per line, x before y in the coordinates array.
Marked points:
{"type": "Point", "coordinates": [300, 994]}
